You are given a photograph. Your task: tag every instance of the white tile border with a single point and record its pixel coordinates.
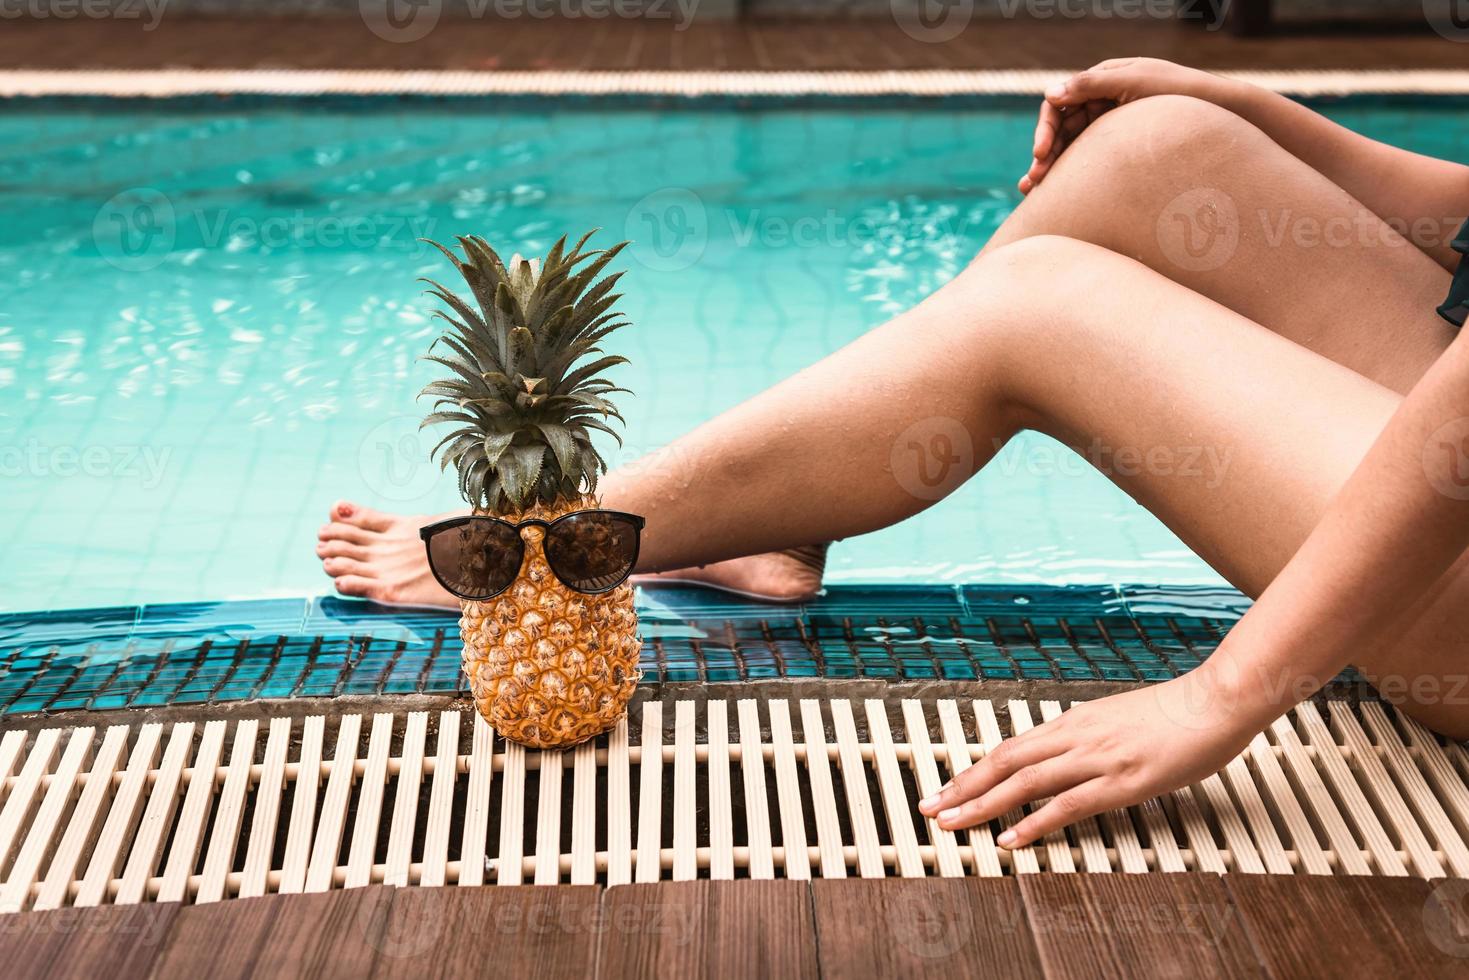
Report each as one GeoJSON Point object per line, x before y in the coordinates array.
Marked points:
{"type": "Point", "coordinates": [168, 83]}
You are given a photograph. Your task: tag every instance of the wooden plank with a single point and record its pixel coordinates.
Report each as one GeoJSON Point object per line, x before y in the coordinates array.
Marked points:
{"type": "Point", "coordinates": [441, 802]}
{"type": "Point", "coordinates": [267, 803]}
{"type": "Point", "coordinates": [477, 804]}
{"type": "Point", "coordinates": [1304, 926]}
{"type": "Point", "coordinates": [1242, 851]}
{"type": "Point", "coordinates": [224, 835]}
{"type": "Point", "coordinates": [522, 931]}
{"type": "Point", "coordinates": [157, 819]}
{"type": "Point", "coordinates": [339, 933]}
{"type": "Point", "coordinates": [1415, 787]}
{"type": "Point", "coordinates": [111, 847]}
{"type": "Point", "coordinates": [1308, 783]}
{"type": "Point", "coordinates": [1303, 838]}
{"type": "Point", "coordinates": [823, 796]}
{"type": "Point", "coordinates": [796, 861]}
{"type": "Point", "coordinates": [1329, 760]}
{"type": "Point", "coordinates": [332, 819]}
{"type": "Point", "coordinates": [650, 789]}
{"type": "Point", "coordinates": [757, 804]}
{"type": "Point", "coordinates": [721, 809]}
{"type": "Point", "coordinates": [1177, 925]}
{"type": "Point", "coordinates": [704, 928]}
{"type": "Point", "coordinates": [983, 853]}
{"type": "Point", "coordinates": [585, 809]}
{"type": "Point", "coordinates": [619, 806]}
{"type": "Point", "coordinates": [188, 832]}
{"type": "Point", "coordinates": [47, 823]}
{"type": "Point", "coordinates": [92, 804]}
{"type": "Point", "coordinates": [894, 795]}
{"type": "Point", "coordinates": [933, 927]}
{"type": "Point", "coordinates": [303, 806]}
{"type": "Point", "coordinates": [405, 799]}
{"type": "Point", "coordinates": [859, 801]}
{"type": "Point", "coordinates": [1088, 834]}
{"type": "Point", "coordinates": [685, 794]}
{"type": "Point", "coordinates": [362, 854]}
{"type": "Point", "coordinates": [112, 941]}
{"type": "Point", "coordinates": [219, 940]}
{"type": "Point", "coordinates": [509, 866]}
{"type": "Point", "coordinates": [1252, 806]}
{"type": "Point", "coordinates": [25, 795]}
{"type": "Point", "coordinates": [1023, 859]}
{"type": "Point", "coordinates": [548, 818]}
{"type": "Point", "coordinates": [1384, 793]}
{"type": "Point", "coordinates": [926, 776]}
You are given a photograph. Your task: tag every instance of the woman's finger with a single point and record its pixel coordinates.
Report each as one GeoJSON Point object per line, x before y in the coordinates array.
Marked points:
{"type": "Point", "coordinates": [1080, 800]}
{"type": "Point", "coordinates": [1046, 778]}
{"type": "Point", "coordinates": [1008, 758]}
{"type": "Point", "coordinates": [1045, 131]}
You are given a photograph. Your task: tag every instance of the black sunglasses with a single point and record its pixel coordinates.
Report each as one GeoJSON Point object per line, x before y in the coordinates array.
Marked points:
{"type": "Point", "coordinates": [590, 551]}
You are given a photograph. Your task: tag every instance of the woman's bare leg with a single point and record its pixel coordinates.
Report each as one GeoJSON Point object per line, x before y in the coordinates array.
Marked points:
{"type": "Point", "coordinates": [1205, 198]}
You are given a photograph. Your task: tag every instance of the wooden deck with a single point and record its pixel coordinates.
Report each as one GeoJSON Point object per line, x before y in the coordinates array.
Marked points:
{"type": "Point", "coordinates": [344, 42]}
{"type": "Point", "coordinates": [1078, 925]}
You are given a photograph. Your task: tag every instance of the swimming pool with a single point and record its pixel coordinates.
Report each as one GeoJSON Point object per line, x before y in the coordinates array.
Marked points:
{"type": "Point", "coordinates": [209, 322]}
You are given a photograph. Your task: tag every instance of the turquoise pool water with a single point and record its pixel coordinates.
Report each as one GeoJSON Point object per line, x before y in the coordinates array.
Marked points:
{"type": "Point", "coordinates": [209, 320]}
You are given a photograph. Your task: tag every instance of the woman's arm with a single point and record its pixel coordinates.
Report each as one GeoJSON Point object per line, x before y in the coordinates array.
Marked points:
{"type": "Point", "coordinates": [1422, 198]}
{"type": "Point", "coordinates": [1388, 536]}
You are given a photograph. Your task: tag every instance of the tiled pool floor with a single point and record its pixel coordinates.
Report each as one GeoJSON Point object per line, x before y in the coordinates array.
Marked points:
{"type": "Point", "coordinates": [202, 653]}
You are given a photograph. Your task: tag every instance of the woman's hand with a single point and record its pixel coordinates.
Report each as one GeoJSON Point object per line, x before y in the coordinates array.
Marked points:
{"type": "Point", "coordinates": [1104, 754]}
{"type": "Point", "coordinates": [1072, 105]}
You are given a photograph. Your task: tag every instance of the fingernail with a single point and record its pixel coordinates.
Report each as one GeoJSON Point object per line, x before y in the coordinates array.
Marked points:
{"type": "Point", "coordinates": [345, 510]}
{"type": "Point", "coordinates": [929, 803]}
{"type": "Point", "coordinates": [1007, 839]}
{"type": "Point", "coordinates": [952, 813]}
{"type": "Point", "coordinates": [1056, 91]}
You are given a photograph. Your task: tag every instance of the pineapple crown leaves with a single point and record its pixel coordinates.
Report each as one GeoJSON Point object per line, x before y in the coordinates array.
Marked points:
{"type": "Point", "coordinates": [525, 388]}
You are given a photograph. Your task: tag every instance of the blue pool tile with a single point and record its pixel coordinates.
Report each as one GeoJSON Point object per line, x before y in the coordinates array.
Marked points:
{"type": "Point", "coordinates": [223, 620]}
{"type": "Point", "coordinates": [72, 626]}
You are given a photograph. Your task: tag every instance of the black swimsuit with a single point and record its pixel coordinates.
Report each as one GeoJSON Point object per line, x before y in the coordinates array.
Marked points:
{"type": "Point", "coordinates": [1456, 307]}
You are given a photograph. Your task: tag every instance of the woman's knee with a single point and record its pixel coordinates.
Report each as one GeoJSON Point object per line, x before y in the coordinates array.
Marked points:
{"type": "Point", "coordinates": [1161, 135]}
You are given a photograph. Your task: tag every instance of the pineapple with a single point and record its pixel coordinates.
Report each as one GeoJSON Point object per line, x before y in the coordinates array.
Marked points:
{"type": "Point", "coordinates": [548, 666]}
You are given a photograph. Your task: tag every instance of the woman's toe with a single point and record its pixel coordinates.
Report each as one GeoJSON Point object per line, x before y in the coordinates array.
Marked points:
{"type": "Point", "coordinates": [337, 567]}
{"type": "Point", "coordinates": [337, 548]}
{"type": "Point", "coordinates": [354, 585]}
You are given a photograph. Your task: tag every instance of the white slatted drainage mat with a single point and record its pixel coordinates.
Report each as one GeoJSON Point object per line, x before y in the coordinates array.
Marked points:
{"type": "Point", "coordinates": [203, 811]}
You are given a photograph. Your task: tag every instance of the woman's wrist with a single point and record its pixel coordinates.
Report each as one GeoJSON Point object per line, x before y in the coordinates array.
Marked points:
{"type": "Point", "coordinates": [1247, 689]}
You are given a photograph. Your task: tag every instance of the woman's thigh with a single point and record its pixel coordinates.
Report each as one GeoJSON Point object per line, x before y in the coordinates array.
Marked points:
{"type": "Point", "coordinates": [1234, 436]}
{"type": "Point", "coordinates": [1204, 198]}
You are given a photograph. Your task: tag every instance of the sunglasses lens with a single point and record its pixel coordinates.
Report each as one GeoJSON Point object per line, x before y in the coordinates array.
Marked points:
{"type": "Point", "coordinates": [592, 552]}
{"type": "Point", "coordinates": [477, 559]}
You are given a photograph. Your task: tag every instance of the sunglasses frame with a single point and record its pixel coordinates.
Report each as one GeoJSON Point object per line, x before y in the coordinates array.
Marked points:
{"type": "Point", "coordinates": [428, 531]}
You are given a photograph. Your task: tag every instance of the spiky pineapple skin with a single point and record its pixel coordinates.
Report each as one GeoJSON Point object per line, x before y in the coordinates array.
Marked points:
{"type": "Point", "coordinates": [550, 667]}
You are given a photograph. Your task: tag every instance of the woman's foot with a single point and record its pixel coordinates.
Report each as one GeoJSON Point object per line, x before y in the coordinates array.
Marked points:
{"type": "Point", "coordinates": [793, 575]}
{"type": "Point", "coordinates": [377, 556]}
